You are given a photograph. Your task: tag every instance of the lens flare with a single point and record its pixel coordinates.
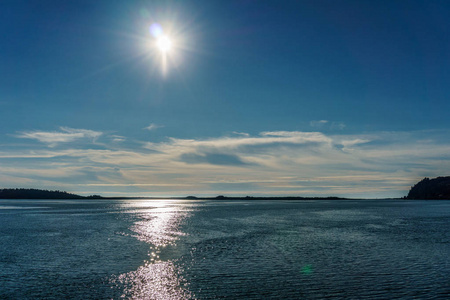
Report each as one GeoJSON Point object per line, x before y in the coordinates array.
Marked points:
{"type": "Point", "coordinates": [156, 30]}
{"type": "Point", "coordinates": [307, 269]}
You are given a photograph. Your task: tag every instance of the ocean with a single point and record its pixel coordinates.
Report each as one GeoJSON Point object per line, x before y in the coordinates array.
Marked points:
{"type": "Point", "coordinates": [198, 249]}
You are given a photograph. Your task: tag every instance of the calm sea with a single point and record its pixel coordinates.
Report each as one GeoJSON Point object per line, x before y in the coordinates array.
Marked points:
{"type": "Point", "coordinates": [170, 249]}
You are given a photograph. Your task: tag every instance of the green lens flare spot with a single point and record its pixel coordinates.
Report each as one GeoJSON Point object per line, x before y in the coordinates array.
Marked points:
{"type": "Point", "coordinates": [307, 269]}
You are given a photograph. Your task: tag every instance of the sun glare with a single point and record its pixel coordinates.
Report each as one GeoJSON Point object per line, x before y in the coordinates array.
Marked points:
{"type": "Point", "coordinates": [164, 44]}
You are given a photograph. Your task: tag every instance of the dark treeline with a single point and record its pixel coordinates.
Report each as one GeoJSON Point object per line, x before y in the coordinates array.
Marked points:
{"type": "Point", "coordinates": [36, 194]}
{"type": "Point", "coordinates": [431, 189]}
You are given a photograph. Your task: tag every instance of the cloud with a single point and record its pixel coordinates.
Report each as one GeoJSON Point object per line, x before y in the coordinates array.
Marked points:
{"type": "Point", "coordinates": [318, 123]}
{"type": "Point", "coordinates": [337, 126]}
{"type": "Point", "coordinates": [153, 126]}
{"type": "Point", "coordinates": [241, 133]}
{"type": "Point", "coordinates": [325, 124]}
{"type": "Point", "coordinates": [66, 135]}
{"type": "Point", "coordinates": [117, 138]}
{"type": "Point", "coordinates": [376, 164]}
{"type": "Point", "coordinates": [266, 139]}
{"type": "Point", "coordinates": [212, 158]}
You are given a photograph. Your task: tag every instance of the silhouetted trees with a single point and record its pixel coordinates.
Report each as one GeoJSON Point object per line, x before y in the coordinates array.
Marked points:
{"type": "Point", "coordinates": [431, 189]}
{"type": "Point", "coordinates": [36, 194]}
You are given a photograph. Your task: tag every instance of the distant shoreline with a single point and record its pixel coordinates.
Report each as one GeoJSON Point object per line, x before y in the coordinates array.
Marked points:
{"type": "Point", "coordinates": [36, 194]}
{"type": "Point", "coordinates": [427, 189]}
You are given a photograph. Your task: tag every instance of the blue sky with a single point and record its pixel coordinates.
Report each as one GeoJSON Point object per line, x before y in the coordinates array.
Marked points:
{"type": "Point", "coordinates": [309, 98]}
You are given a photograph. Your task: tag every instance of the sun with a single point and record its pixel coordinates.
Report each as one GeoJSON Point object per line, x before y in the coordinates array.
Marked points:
{"type": "Point", "coordinates": [164, 44]}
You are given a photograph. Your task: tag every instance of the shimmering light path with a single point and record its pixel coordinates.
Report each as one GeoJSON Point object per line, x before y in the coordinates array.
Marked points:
{"type": "Point", "coordinates": [158, 225]}
{"type": "Point", "coordinates": [154, 280]}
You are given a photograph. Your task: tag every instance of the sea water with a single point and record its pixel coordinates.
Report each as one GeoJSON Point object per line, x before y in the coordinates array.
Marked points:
{"type": "Point", "coordinates": [193, 249]}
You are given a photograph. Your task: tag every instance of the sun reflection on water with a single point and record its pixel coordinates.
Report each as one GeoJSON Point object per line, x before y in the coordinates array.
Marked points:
{"type": "Point", "coordinates": [158, 225]}
{"type": "Point", "coordinates": [159, 280]}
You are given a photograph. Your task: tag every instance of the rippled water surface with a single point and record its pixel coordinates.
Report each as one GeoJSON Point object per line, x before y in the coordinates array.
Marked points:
{"type": "Point", "coordinates": [172, 249]}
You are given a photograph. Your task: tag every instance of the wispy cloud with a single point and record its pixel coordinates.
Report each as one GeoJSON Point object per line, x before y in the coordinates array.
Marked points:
{"type": "Point", "coordinates": [241, 133]}
{"type": "Point", "coordinates": [272, 162]}
{"type": "Point", "coordinates": [337, 126]}
{"type": "Point", "coordinates": [318, 123]}
{"type": "Point", "coordinates": [117, 138]}
{"type": "Point", "coordinates": [325, 124]}
{"type": "Point", "coordinates": [64, 136]}
{"type": "Point", "coordinates": [212, 158]}
{"type": "Point", "coordinates": [153, 126]}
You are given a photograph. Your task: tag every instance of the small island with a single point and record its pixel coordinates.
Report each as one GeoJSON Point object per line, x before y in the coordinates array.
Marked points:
{"type": "Point", "coordinates": [431, 189]}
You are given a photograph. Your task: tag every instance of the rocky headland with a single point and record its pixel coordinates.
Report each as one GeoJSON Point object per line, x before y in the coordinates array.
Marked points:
{"type": "Point", "coordinates": [431, 189]}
